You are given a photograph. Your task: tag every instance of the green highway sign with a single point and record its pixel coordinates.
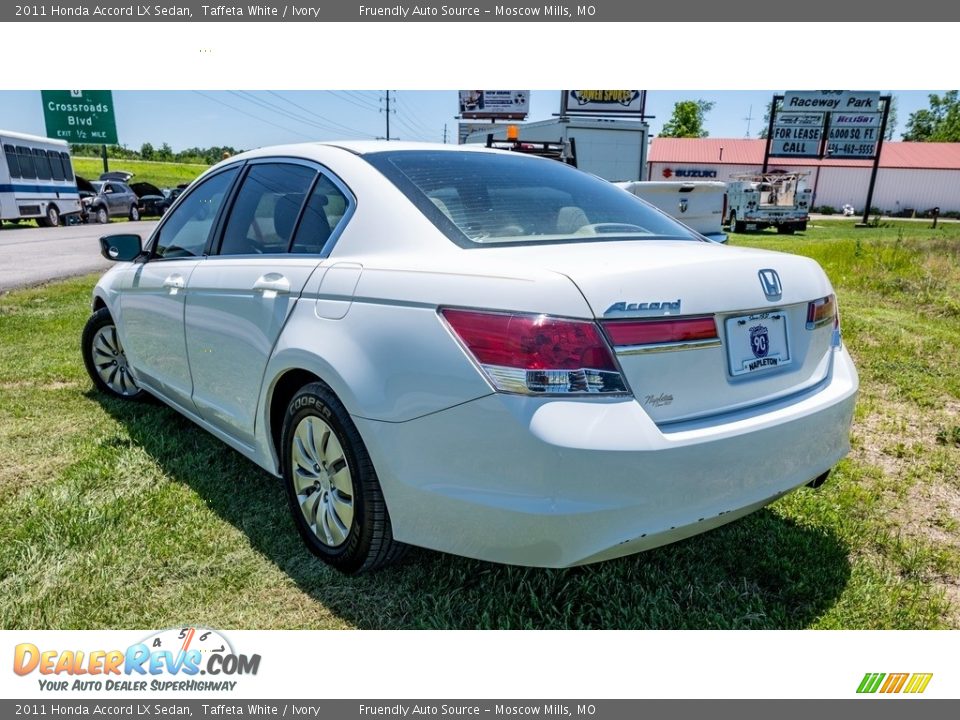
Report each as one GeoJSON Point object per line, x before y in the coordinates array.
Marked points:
{"type": "Point", "coordinates": [80, 116]}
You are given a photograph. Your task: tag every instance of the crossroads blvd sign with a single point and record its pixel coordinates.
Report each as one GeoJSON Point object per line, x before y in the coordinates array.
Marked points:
{"type": "Point", "coordinates": [80, 116]}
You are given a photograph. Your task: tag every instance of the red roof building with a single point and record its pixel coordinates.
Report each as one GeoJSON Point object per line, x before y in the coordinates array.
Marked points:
{"type": "Point", "coordinates": [911, 175]}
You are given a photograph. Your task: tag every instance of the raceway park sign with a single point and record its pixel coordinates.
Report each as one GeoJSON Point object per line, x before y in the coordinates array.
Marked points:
{"type": "Point", "coordinates": [829, 100]}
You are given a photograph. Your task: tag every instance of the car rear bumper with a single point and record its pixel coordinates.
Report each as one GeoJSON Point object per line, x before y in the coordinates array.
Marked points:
{"type": "Point", "coordinates": [554, 483]}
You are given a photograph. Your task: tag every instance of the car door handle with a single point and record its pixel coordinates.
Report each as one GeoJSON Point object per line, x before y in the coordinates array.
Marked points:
{"type": "Point", "coordinates": [175, 282]}
{"type": "Point", "coordinates": [274, 282]}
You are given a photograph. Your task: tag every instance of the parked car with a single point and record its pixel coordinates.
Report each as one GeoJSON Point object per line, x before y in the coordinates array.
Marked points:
{"type": "Point", "coordinates": [153, 200]}
{"type": "Point", "coordinates": [478, 352]}
{"type": "Point", "coordinates": [109, 199]}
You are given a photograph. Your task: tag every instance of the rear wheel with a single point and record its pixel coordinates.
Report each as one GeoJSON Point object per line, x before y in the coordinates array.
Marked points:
{"type": "Point", "coordinates": [332, 488]}
{"type": "Point", "coordinates": [105, 360]}
{"type": "Point", "coordinates": [51, 218]}
{"type": "Point", "coordinates": [733, 221]}
{"type": "Point", "coordinates": [134, 213]}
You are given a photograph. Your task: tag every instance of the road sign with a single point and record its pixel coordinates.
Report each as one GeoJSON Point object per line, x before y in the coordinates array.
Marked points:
{"type": "Point", "coordinates": [80, 116]}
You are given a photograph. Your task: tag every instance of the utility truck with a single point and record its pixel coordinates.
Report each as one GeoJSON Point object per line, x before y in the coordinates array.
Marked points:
{"type": "Point", "coordinates": [756, 201]}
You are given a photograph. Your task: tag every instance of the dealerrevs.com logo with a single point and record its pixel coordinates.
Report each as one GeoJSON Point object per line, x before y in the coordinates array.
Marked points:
{"type": "Point", "coordinates": [173, 659]}
{"type": "Point", "coordinates": [910, 683]}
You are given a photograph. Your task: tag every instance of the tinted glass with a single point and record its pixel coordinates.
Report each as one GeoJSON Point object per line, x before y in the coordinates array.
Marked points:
{"type": "Point", "coordinates": [324, 210]}
{"type": "Point", "coordinates": [43, 164]}
{"type": "Point", "coordinates": [67, 167]}
{"type": "Point", "coordinates": [56, 165]}
{"type": "Point", "coordinates": [13, 161]}
{"type": "Point", "coordinates": [265, 212]}
{"type": "Point", "coordinates": [186, 229]}
{"type": "Point", "coordinates": [27, 167]}
{"type": "Point", "coordinates": [486, 198]}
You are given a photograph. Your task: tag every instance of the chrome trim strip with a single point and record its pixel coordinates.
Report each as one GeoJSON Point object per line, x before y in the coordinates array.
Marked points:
{"type": "Point", "coordinates": [667, 347]}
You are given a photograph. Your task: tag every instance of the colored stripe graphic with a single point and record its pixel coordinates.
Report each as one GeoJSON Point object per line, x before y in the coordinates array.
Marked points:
{"type": "Point", "coordinates": [870, 682]}
{"type": "Point", "coordinates": [918, 683]}
{"type": "Point", "coordinates": [894, 683]}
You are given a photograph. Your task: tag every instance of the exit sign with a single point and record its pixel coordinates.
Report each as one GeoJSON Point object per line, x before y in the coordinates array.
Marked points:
{"type": "Point", "coordinates": [80, 116]}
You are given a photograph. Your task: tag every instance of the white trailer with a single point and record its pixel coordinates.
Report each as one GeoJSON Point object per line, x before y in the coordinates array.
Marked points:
{"type": "Point", "coordinates": [613, 149]}
{"type": "Point", "coordinates": [36, 179]}
{"type": "Point", "coordinates": [756, 201]}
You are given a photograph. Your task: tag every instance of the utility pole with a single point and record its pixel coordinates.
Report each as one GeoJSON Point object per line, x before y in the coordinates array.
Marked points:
{"type": "Point", "coordinates": [388, 114]}
{"type": "Point", "coordinates": [748, 118]}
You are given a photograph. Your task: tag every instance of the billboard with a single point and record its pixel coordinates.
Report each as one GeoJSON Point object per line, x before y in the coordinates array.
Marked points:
{"type": "Point", "coordinates": [630, 103]}
{"type": "Point", "coordinates": [494, 104]}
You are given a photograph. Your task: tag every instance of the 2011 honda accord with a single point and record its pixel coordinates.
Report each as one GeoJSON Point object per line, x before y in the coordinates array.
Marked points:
{"type": "Point", "coordinates": [475, 351]}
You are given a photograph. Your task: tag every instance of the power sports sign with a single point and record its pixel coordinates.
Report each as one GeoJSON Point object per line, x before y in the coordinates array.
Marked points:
{"type": "Point", "coordinates": [832, 123]}
{"type": "Point", "coordinates": [622, 103]}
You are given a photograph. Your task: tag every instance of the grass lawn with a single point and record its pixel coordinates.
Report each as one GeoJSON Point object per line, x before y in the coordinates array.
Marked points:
{"type": "Point", "coordinates": [161, 174]}
{"type": "Point", "coordinates": [128, 516]}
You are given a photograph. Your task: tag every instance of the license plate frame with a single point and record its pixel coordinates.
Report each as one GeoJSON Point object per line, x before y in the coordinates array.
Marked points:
{"type": "Point", "coordinates": [757, 343]}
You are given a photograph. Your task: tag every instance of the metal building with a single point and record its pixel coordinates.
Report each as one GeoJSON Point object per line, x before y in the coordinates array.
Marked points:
{"type": "Point", "coordinates": [912, 176]}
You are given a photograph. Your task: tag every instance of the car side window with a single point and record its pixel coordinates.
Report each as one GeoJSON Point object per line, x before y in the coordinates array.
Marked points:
{"type": "Point", "coordinates": [265, 212]}
{"type": "Point", "coordinates": [185, 231]}
{"type": "Point", "coordinates": [325, 209]}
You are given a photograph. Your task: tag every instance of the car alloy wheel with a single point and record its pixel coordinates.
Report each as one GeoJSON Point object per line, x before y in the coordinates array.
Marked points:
{"type": "Point", "coordinates": [134, 213]}
{"type": "Point", "coordinates": [105, 360]}
{"type": "Point", "coordinates": [102, 217]}
{"type": "Point", "coordinates": [332, 487]}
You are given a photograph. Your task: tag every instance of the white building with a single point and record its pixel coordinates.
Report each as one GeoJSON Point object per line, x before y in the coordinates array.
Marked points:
{"type": "Point", "coordinates": [916, 176]}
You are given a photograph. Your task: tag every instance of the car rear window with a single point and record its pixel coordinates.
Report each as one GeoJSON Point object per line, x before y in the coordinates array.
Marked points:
{"type": "Point", "coordinates": [483, 198]}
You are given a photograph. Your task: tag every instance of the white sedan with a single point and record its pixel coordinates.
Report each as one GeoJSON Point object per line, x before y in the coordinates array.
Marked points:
{"type": "Point", "coordinates": [475, 351]}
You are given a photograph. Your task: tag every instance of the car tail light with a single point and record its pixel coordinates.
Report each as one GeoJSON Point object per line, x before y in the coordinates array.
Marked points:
{"type": "Point", "coordinates": [661, 331]}
{"type": "Point", "coordinates": [534, 354]}
{"type": "Point", "coordinates": [823, 311]}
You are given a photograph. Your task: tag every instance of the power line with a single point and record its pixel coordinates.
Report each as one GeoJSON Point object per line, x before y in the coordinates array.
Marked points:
{"type": "Point", "coordinates": [333, 125]}
{"type": "Point", "coordinates": [255, 117]}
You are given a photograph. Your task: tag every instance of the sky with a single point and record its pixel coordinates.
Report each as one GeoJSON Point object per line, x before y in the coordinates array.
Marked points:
{"type": "Point", "coordinates": [249, 119]}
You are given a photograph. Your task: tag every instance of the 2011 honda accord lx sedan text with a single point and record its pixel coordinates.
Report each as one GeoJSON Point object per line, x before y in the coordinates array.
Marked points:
{"type": "Point", "coordinates": [475, 351]}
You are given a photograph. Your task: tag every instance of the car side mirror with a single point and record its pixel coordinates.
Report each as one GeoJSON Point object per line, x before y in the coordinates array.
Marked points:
{"type": "Point", "coordinates": [121, 248]}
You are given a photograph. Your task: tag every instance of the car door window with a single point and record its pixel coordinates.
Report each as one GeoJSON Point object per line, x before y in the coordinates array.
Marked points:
{"type": "Point", "coordinates": [324, 211]}
{"type": "Point", "coordinates": [185, 231]}
{"type": "Point", "coordinates": [265, 212]}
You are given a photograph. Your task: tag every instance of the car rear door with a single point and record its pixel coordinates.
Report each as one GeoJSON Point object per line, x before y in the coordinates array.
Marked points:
{"type": "Point", "coordinates": [151, 301]}
{"type": "Point", "coordinates": [241, 296]}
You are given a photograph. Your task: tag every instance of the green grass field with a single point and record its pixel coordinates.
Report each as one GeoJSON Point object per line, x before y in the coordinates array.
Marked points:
{"type": "Point", "coordinates": [122, 515]}
{"type": "Point", "coordinates": [159, 173]}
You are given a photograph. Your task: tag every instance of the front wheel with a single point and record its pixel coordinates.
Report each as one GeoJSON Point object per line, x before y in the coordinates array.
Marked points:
{"type": "Point", "coordinates": [332, 487]}
{"type": "Point", "coordinates": [102, 216]}
{"type": "Point", "coordinates": [105, 360]}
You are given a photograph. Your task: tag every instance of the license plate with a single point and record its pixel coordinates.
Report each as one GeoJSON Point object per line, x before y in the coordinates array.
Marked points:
{"type": "Point", "coordinates": [757, 342]}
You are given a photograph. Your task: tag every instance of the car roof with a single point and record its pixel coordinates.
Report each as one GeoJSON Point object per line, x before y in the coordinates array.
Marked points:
{"type": "Point", "coordinates": [356, 147]}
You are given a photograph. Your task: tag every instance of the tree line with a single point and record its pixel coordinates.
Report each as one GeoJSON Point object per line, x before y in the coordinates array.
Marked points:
{"type": "Point", "coordinates": [164, 153]}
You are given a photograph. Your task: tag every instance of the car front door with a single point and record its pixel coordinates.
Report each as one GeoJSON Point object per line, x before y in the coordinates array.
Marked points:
{"type": "Point", "coordinates": [152, 292]}
{"type": "Point", "coordinates": [241, 296]}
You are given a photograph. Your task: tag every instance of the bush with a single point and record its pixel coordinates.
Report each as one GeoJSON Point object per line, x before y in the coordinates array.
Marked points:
{"type": "Point", "coordinates": [825, 210]}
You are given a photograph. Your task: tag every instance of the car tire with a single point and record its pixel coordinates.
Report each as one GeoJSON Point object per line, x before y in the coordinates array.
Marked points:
{"type": "Point", "coordinates": [101, 215]}
{"type": "Point", "coordinates": [134, 213]}
{"type": "Point", "coordinates": [51, 218]}
{"type": "Point", "coordinates": [733, 221]}
{"type": "Point", "coordinates": [332, 486]}
{"type": "Point", "coordinates": [105, 359]}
